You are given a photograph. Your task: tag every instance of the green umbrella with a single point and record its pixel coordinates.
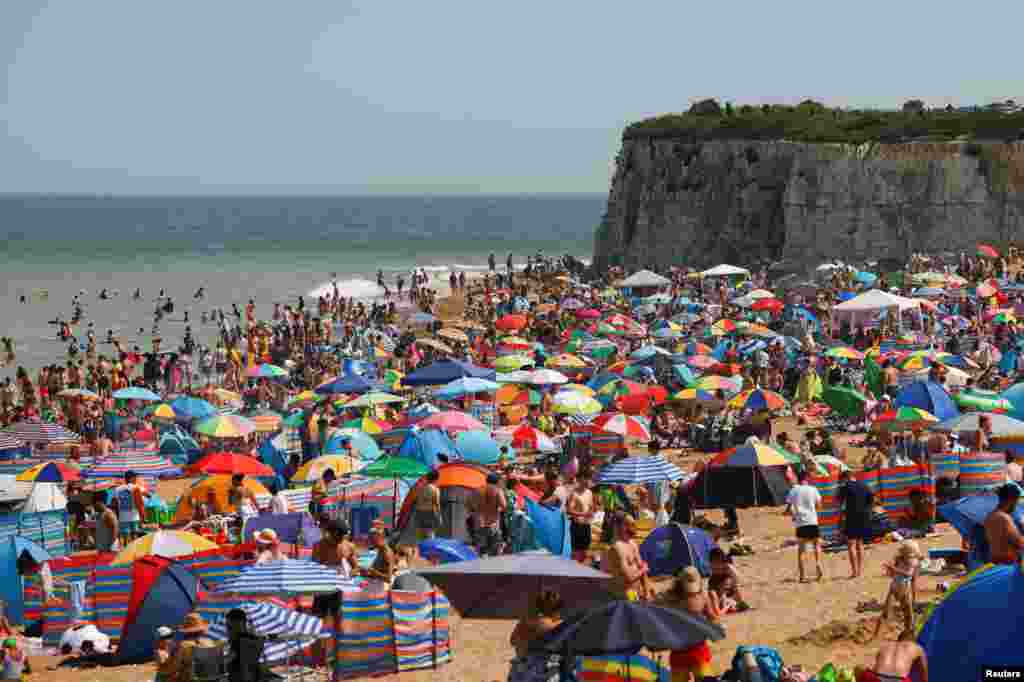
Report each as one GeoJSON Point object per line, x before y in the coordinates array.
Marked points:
{"type": "Point", "coordinates": [395, 467]}
{"type": "Point", "coordinates": [982, 401]}
{"type": "Point", "coordinates": [845, 400]}
{"type": "Point", "coordinates": [294, 421]}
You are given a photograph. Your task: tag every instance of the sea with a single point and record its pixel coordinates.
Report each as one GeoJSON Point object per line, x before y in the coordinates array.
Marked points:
{"type": "Point", "coordinates": [268, 249]}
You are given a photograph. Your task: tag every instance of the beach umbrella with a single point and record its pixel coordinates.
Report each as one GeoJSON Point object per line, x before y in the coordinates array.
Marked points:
{"type": "Point", "coordinates": [844, 353]}
{"type": "Point", "coordinates": [565, 361]}
{"type": "Point", "coordinates": [579, 388]}
{"type": "Point", "coordinates": [288, 577]}
{"type": "Point", "coordinates": [479, 447]}
{"type": "Point", "coordinates": [639, 469]}
{"type": "Point", "coordinates": [753, 453]}
{"type": "Point", "coordinates": [225, 426]}
{"type": "Point", "coordinates": [982, 401]}
{"type": "Point", "coordinates": [453, 420]}
{"type": "Point", "coordinates": [160, 411]}
{"type": "Point", "coordinates": [547, 377]}
{"type": "Point", "coordinates": [844, 400]}
{"type": "Point", "coordinates": [188, 408]}
{"type": "Point", "coordinates": [574, 403]}
{"type": "Point", "coordinates": [362, 443]}
{"type": "Point", "coordinates": [231, 463]}
{"type": "Point", "coordinates": [136, 393]}
{"type": "Point", "coordinates": [164, 543]}
{"type": "Point", "coordinates": [716, 383]}
{"type": "Point", "coordinates": [509, 363]}
{"type": "Point", "coordinates": [368, 425]}
{"type": "Point", "coordinates": [49, 472]}
{"type": "Point", "coordinates": [511, 322]}
{"type": "Point", "coordinates": [758, 399]}
{"type": "Point", "coordinates": [9, 442]}
{"type": "Point", "coordinates": [1002, 425]}
{"type": "Point", "coordinates": [82, 393]}
{"type": "Point", "coordinates": [626, 627]}
{"type": "Point", "coordinates": [928, 396]}
{"type": "Point", "coordinates": [374, 398]}
{"type": "Point", "coordinates": [648, 352]}
{"type": "Point", "coordinates": [148, 463]}
{"type": "Point", "coordinates": [506, 587]}
{"type": "Point", "coordinates": [692, 394]}
{"type": "Point", "coordinates": [465, 386]}
{"type": "Point", "coordinates": [395, 467]}
{"type": "Point", "coordinates": [987, 251]}
{"type": "Point", "coordinates": [768, 305]}
{"type": "Point", "coordinates": [313, 470]}
{"type": "Point", "coordinates": [35, 431]}
{"type": "Point", "coordinates": [903, 419]}
{"type": "Point", "coordinates": [527, 437]}
{"type": "Point", "coordinates": [349, 383]}
{"type": "Point", "coordinates": [285, 631]}
{"type": "Point", "coordinates": [723, 327]}
{"type": "Point", "coordinates": [446, 551]}
{"type": "Point", "coordinates": [511, 394]}
{"type": "Point", "coordinates": [624, 425]}
{"type": "Point", "coordinates": [519, 376]}
{"type": "Point", "coordinates": [446, 371]}
{"type": "Point", "coordinates": [266, 371]}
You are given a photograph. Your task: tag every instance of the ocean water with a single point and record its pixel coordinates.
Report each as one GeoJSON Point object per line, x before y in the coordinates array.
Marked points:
{"type": "Point", "coordinates": [269, 249]}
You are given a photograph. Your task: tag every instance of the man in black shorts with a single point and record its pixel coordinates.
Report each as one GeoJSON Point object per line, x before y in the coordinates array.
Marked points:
{"type": "Point", "coordinates": [580, 507]}
{"type": "Point", "coordinates": [803, 502]}
{"type": "Point", "coordinates": [857, 501]}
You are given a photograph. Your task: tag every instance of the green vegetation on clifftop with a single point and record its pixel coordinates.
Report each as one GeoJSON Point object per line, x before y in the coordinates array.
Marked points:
{"type": "Point", "coordinates": [815, 123]}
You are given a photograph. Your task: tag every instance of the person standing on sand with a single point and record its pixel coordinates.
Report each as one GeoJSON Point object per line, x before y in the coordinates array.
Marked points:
{"type": "Point", "coordinates": [689, 593]}
{"type": "Point", "coordinates": [1004, 538]}
{"type": "Point", "coordinates": [580, 509]}
{"type": "Point", "coordinates": [895, 661]}
{"type": "Point", "coordinates": [623, 562]}
{"type": "Point", "coordinates": [803, 502]}
{"type": "Point", "coordinates": [857, 499]}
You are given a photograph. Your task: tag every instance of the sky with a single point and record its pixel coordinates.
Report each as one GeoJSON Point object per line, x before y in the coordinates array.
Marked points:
{"type": "Point", "coordinates": [451, 96]}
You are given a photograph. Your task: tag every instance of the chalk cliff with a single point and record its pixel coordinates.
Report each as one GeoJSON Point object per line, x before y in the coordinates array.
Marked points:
{"type": "Point", "coordinates": [676, 201]}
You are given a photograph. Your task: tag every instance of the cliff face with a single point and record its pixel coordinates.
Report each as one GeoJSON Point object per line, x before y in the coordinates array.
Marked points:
{"type": "Point", "coordinates": [681, 202]}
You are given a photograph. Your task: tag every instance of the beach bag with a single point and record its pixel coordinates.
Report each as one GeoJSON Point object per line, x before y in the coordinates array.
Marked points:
{"type": "Point", "coordinates": [768, 660]}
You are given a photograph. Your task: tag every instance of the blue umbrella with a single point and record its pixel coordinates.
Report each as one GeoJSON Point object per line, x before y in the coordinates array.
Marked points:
{"type": "Point", "coordinates": [446, 551]}
{"type": "Point", "coordinates": [465, 386]}
{"type": "Point", "coordinates": [625, 627]}
{"type": "Point", "coordinates": [647, 352]}
{"type": "Point", "coordinates": [639, 469]}
{"type": "Point", "coordinates": [363, 444]}
{"type": "Point", "coordinates": [479, 447]}
{"type": "Point", "coordinates": [868, 278]}
{"type": "Point", "coordinates": [287, 577]}
{"type": "Point", "coordinates": [928, 396]}
{"type": "Point", "coordinates": [136, 393]}
{"type": "Point", "coordinates": [352, 383]}
{"type": "Point", "coordinates": [446, 371]}
{"type": "Point", "coordinates": [192, 408]}
{"type": "Point", "coordinates": [269, 620]}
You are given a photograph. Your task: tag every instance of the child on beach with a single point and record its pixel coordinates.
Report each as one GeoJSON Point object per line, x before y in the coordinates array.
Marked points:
{"type": "Point", "coordinates": [688, 591]}
{"type": "Point", "coordinates": [724, 583]}
{"type": "Point", "coordinates": [903, 587]}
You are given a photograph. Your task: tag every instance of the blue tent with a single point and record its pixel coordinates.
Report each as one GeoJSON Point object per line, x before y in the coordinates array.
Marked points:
{"type": "Point", "coordinates": [179, 447]}
{"type": "Point", "coordinates": [928, 396]}
{"type": "Point", "coordinates": [671, 548]}
{"type": "Point", "coordinates": [1015, 394]}
{"type": "Point", "coordinates": [186, 409]}
{"type": "Point", "coordinates": [479, 447]}
{"type": "Point", "coordinates": [427, 446]}
{"type": "Point", "coordinates": [168, 601]}
{"type": "Point", "coordinates": [363, 445]}
{"type": "Point", "coordinates": [10, 581]}
{"type": "Point", "coordinates": [445, 371]}
{"type": "Point", "coordinates": [550, 528]}
{"type": "Point", "coordinates": [975, 625]}
{"type": "Point", "coordinates": [446, 551]}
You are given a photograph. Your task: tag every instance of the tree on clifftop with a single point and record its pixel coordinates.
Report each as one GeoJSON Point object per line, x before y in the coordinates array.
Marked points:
{"type": "Point", "coordinates": [913, 106]}
{"type": "Point", "coordinates": [706, 107]}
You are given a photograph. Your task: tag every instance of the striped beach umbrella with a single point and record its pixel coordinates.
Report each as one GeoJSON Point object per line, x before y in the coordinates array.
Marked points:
{"type": "Point", "coordinates": [758, 399]}
{"type": "Point", "coordinates": [716, 383]}
{"type": "Point", "coordinates": [639, 469]}
{"type": "Point", "coordinates": [692, 394]}
{"type": "Point", "coordinates": [625, 425]}
{"type": "Point", "coordinates": [574, 403]}
{"type": "Point", "coordinates": [903, 419]}
{"type": "Point", "coordinates": [50, 472]}
{"type": "Point", "coordinates": [164, 543]}
{"type": "Point", "coordinates": [136, 393]}
{"type": "Point", "coordinates": [289, 577]}
{"type": "Point", "coordinates": [287, 631]}
{"type": "Point", "coordinates": [374, 398]}
{"type": "Point", "coordinates": [146, 463]}
{"type": "Point", "coordinates": [752, 454]}
{"type": "Point", "coordinates": [9, 442]}
{"type": "Point", "coordinates": [35, 431]}
{"type": "Point", "coordinates": [266, 371]}
{"type": "Point", "coordinates": [844, 353]}
{"type": "Point", "coordinates": [83, 393]}
{"type": "Point", "coordinates": [225, 426]}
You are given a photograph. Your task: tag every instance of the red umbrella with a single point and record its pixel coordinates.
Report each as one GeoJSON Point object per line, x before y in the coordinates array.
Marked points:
{"type": "Point", "coordinates": [588, 314]}
{"type": "Point", "coordinates": [769, 304]}
{"type": "Point", "coordinates": [987, 251]}
{"type": "Point", "coordinates": [511, 322]}
{"type": "Point", "coordinates": [231, 463]}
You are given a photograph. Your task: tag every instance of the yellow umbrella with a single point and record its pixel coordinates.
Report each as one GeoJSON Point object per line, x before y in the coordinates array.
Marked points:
{"type": "Point", "coordinates": [163, 411]}
{"type": "Point", "coordinates": [565, 361]}
{"type": "Point", "coordinates": [164, 543]}
{"type": "Point", "coordinates": [579, 388]}
{"type": "Point", "coordinates": [314, 469]}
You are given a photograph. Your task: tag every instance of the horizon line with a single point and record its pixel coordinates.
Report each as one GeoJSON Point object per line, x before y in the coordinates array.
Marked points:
{"type": "Point", "coordinates": [291, 195]}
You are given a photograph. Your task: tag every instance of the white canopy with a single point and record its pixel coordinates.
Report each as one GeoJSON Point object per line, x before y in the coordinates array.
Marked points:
{"type": "Point", "coordinates": [46, 497]}
{"type": "Point", "coordinates": [874, 300]}
{"type": "Point", "coordinates": [644, 278]}
{"type": "Point", "coordinates": [723, 270]}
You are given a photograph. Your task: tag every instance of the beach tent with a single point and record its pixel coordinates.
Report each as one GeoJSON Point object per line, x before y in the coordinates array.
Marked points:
{"type": "Point", "coordinates": [428, 446]}
{"type": "Point", "coordinates": [446, 371]}
{"type": "Point", "coordinates": [928, 396]}
{"type": "Point", "coordinates": [673, 547]}
{"type": "Point", "coordinates": [975, 625]}
{"type": "Point", "coordinates": [46, 497]}
{"type": "Point", "coordinates": [869, 305]}
{"type": "Point", "coordinates": [716, 487]}
{"type": "Point", "coordinates": [11, 549]}
{"type": "Point", "coordinates": [178, 446]}
{"type": "Point", "coordinates": [363, 444]}
{"type": "Point", "coordinates": [479, 447]}
{"type": "Point", "coordinates": [459, 483]}
{"type": "Point", "coordinates": [725, 270]}
{"type": "Point", "coordinates": [550, 528]}
{"type": "Point", "coordinates": [968, 516]}
{"type": "Point", "coordinates": [171, 596]}
{"type": "Point", "coordinates": [643, 279]}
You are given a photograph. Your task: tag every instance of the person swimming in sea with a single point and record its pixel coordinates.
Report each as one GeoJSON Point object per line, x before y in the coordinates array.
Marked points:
{"type": "Point", "coordinates": [137, 295]}
{"type": "Point", "coordinates": [103, 295]}
{"type": "Point", "coordinates": [110, 336]}
{"type": "Point", "coordinates": [200, 294]}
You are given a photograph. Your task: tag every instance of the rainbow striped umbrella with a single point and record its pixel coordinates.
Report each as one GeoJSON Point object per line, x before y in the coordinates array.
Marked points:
{"type": "Point", "coordinates": [692, 394]}
{"type": "Point", "coordinates": [146, 463]}
{"type": "Point", "coordinates": [758, 399]}
{"type": "Point", "coordinates": [716, 383]}
{"type": "Point", "coordinates": [266, 371]}
{"type": "Point", "coordinates": [752, 454]}
{"type": "Point", "coordinates": [903, 419]}
{"type": "Point", "coordinates": [226, 426]}
{"type": "Point", "coordinates": [565, 361]}
{"type": "Point", "coordinates": [35, 431]}
{"type": "Point", "coordinates": [723, 327]}
{"type": "Point", "coordinates": [49, 472]}
{"type": "Point", "coordinates": [164, 543]}
{"type": "Point", "coordinates": [845, 353]}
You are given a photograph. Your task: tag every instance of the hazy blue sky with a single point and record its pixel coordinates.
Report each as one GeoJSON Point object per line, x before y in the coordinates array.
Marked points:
{"type": "Point", "coordinates": [443, 96]}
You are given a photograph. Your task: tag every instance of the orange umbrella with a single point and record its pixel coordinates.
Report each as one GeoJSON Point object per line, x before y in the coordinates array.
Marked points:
{"type": "Point", "coordinates": [511, 322]}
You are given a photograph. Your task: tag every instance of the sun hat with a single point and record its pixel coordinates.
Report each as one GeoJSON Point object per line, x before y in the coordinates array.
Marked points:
{"type": "Point", "coordinates": [267, 536]}
{"type": "Point", "coordinates": [164, 632]}
{"type": "Point", "coordinates": [193, 623]}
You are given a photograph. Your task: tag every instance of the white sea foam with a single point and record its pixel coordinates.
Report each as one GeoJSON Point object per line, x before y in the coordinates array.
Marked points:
{"type": "Point", "coordinates": [349, 288]}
